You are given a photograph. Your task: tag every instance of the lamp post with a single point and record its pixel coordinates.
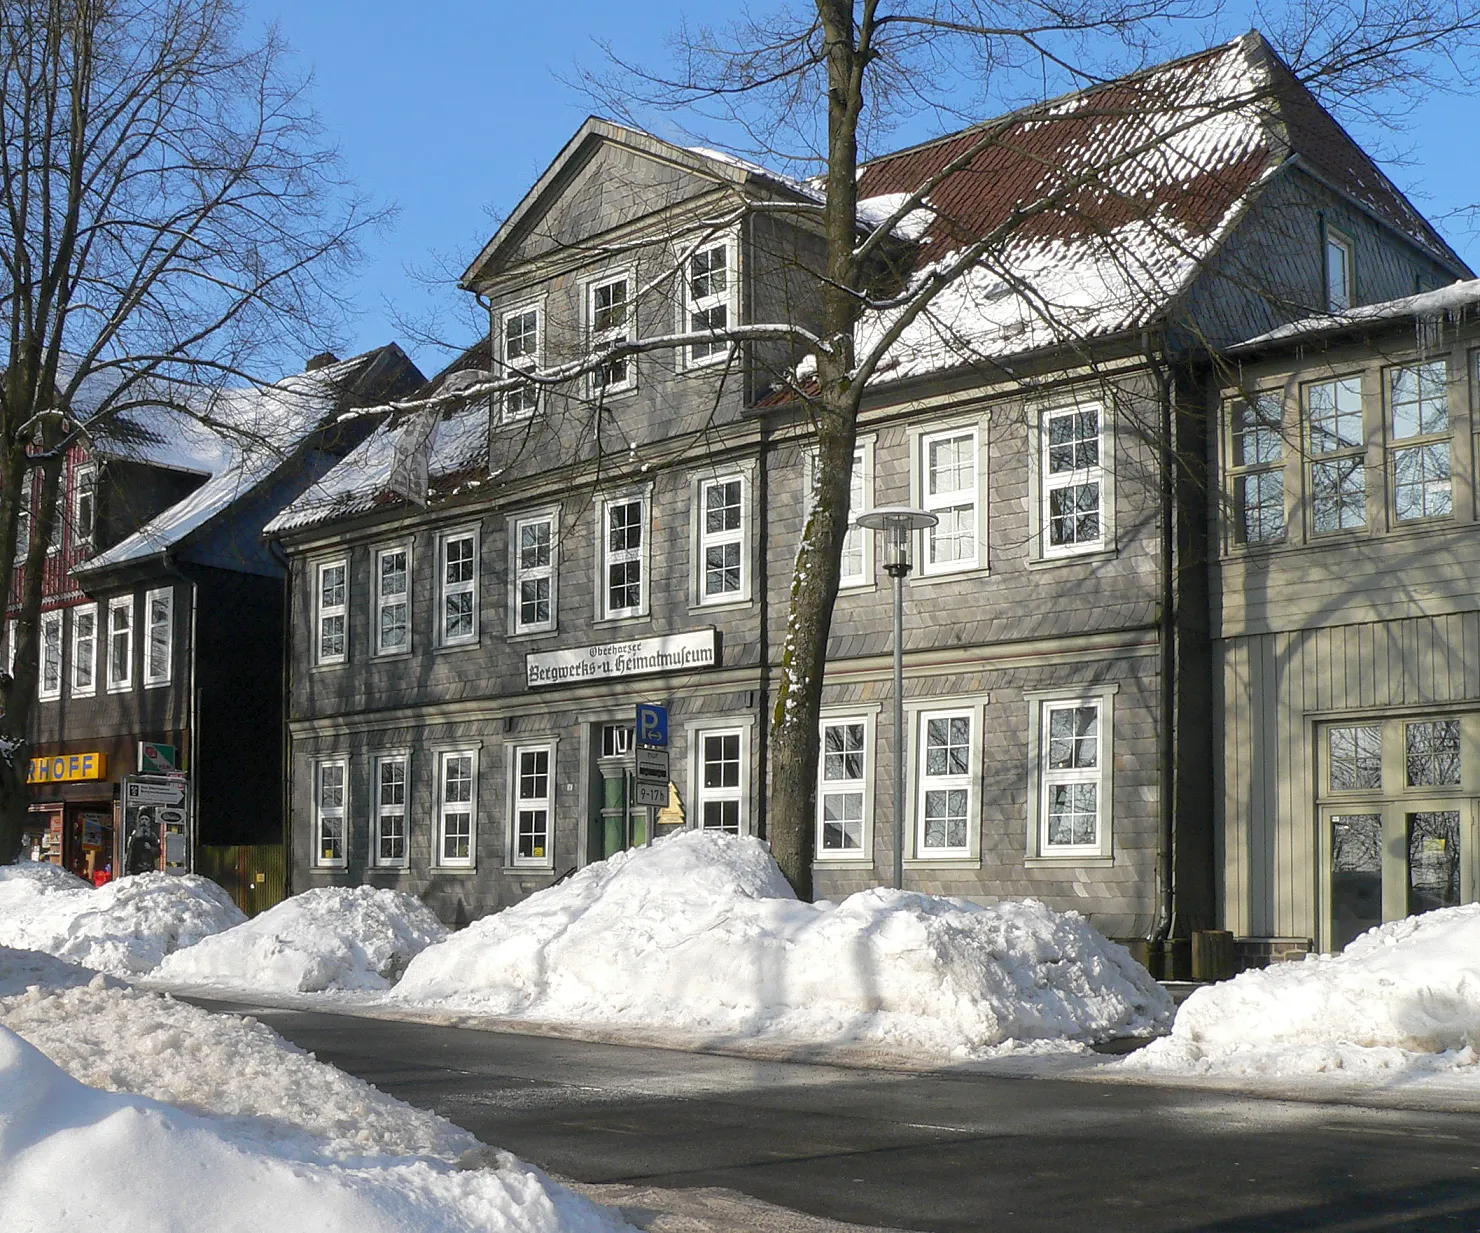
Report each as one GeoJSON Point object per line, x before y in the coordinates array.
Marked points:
{"type": "Point", "coordinates": [899, 524]}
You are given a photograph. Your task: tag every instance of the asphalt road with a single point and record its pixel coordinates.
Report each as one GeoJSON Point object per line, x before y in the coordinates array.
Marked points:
{"type": "Point", "coordinates": [939, 1152]}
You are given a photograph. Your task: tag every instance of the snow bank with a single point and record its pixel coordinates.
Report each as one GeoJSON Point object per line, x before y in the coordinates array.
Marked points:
{"type": "Point", "coordinates": [357, 937]}
{"type": "Point", "coordinates": [154, 1167]}
{"type": "Point", "coordinates": [22, 969]}
{"type": "Point", "coordinates": [701, 935]}
{"type": "Point", "coordinates": [1404, 997]}
{"type": "Point", "coordinates": [126, 927]}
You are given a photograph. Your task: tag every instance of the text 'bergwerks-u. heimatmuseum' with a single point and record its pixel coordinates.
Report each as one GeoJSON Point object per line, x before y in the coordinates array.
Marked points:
{"type": "Point", "coordinates": [1196, 633]}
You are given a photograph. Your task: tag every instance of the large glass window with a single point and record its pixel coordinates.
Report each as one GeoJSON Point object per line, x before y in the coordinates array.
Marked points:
{"type": "Point", "coordinates": [393, 600]}
{"type": "Point", "coordinates": [624, 536]}
{"type": "Point", "coordinates": [722, 539]}
{"type": "Point", "coordinates": [1338, 467]}
{"type": "Point", "coordinates": [946, 792]}
{"type": "Point", "coordinates": [457, 599]}
{"type": "Point", "coordinates": [84, 649]}
{"type": "Point", "coordinates": [1072, 481]}
{"type": "Point", "coordinates": [949, 490]}
{"type": "Point", "coordinates": [330, 790]}
{"type": "Point", "coordinates": [1257, 469]}
{"type": "Point", "coordinates": [1422, 477]}
{"type": "Point", "coordinates": [721, 804]}
{"type": "Point", "coordinates": [534, 804]}
{"type": "Point", "coordinates": [392, 774]}
{"type": "Point", "coordinates": [331, 593]}
{"type": "Point", "coordinates": [1355, 757]}
{"type": "Point", "coordinates": [456, 807]}
{"type": "Point", "coordinates": [1431, 748]}
{"type": "Point", "coordinates": [842, 796]}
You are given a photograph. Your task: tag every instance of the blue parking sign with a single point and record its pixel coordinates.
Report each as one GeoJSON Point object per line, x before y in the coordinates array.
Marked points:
{"type": "Point", "coordinates": [652, 725]}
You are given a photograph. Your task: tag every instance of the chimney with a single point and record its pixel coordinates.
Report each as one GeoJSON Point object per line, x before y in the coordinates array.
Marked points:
{"type": "Point", "coordinates": [322, 360]}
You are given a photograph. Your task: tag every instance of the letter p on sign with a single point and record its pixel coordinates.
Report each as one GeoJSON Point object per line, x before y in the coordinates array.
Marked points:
{"type": "Point", "coordinates": [652, 725]}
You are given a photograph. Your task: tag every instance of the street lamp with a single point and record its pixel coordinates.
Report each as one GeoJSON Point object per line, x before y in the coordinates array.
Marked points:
{"type": "Point", "coordinates": [899, 524]}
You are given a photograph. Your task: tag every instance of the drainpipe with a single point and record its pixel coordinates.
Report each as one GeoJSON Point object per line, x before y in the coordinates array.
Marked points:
{"type": "Point", "coordinates": [763, 585]}
{"type": "Point", "coordinates": [1167, 621]}
{"type": "Point", "coordinates": [287, 684]}
{"type": "Point", "coordinates": [192, 714]}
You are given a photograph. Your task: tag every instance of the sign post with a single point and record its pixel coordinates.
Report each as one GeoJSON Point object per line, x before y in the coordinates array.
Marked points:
{"type": "Point", "coordinates": [156, 823]}
{"type": "Point", "coordinates": [650, 757]}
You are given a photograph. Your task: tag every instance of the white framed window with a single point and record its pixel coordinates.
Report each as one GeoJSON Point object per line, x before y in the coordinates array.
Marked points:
{"type": "Point", "coordinates": [723, 535]}
{"type": "Point", "coordinates": [49, 679]}
{"type": "Point", "coordinates": [1257, 469]}
{"type": "Point", "coordinates": [623, 584]}
{"type": "Point", "coordinates": [331, 607]}
{"type": "Point", "coordinates": [330, 801]}
{"type": "Point", "coordinates": [23, 517]}
{"type": "Point", "coordinates": [120, 643]}
{"type": "Point", "coordinates": [1338, 455]}
{"type": "Point", "coordinates": [1070, 785]}
{"type": "Point", "coordinates": [457, 807]}
{"type": "Point", "coordinates": [1340, 272]}
{"type": "Point", "coordinates": [393, 600]}
{"type": "Point", "coordinates": [1421, 470]}
{"type": "Point", "coordinates": [520, 345]}
{"type": "Point", "coordinates": [10, 637]}
{"type": "Point", "coordinates": [532, 812]}
{"type": "Point", "coordinates": [84, 650]}
{"type": "Point", "coordinates": [159, 645]}
{"type": "Point", "coordinates": [392, 787]}
{"type": "Point", "coordinates": [533, 561]}
{"type": "Point", "coordinates": [856, 566]}
{"type": "Point", "coordinates": [945, 801]}
{"type": "Point", "coordinates": [709, 301]}
{"type": "Point", "coordinates": [845, 788]}
{"type": "Point", "coordinates": [457, 588]}
{"type": "Point", "coordinates": [950, 488]}
{"type": "Point", "coordinates": [721, 777]}
{"type": "Point", "coordinates": [84, 503]}
{"type": "Point", "coordinates": [1072, 480]}
{"type": "Point", "coordinates": [610, 315]}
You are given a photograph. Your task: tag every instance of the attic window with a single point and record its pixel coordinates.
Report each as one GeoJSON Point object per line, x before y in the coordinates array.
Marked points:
{"type": "Point", "coordinates": [709, 291]}
{"type": "Point", "coordinates": [521, 352]}
{"type": "Point", "coordinates": [1340, 286]}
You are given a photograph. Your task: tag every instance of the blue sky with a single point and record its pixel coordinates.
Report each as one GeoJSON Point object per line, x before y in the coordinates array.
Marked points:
{"type": "Point", "coordinates": [450, 110]}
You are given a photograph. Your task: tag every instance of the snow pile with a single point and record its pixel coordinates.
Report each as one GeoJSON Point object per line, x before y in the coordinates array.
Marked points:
{"type": "Point", "coordinates": [700, 934]}
{"type": "Point", "coordinates": [356, 937]}
{"type": "Point", "coordinates": [22, 969]}
{"type": "Point", "coordinates": [126, 927]}
{"type": "Point", "coordinates": [1403, 997]}
{"type": "Point", "coordinates": [301, 1147]}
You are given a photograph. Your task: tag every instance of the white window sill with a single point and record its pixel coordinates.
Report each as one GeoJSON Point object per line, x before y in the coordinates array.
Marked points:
{"type": "Point", "coordinates": [919, 579]}
{"type": "Point", "coordinates": [531, 869]}
{"type": "Point", "coordinates": [331, 666]}
{"type": "Point", "coordinates": [120, 689]}
{"type": "Point", "coordinates": [942, 862]}
{"type": "Point", "coordinates": [439, 870]}
{"type": "Point", "coordinates": [1087, 861]}
{"type": "Point", "coordinates": [722, 605]}
{"type": "Point", "coordinates": [631, 619]}
{"type": "Point", "coordinates": [1048, 560]}
{"type": "Point", "coordinates": [524, 635]}
{"type": "Point", "coordinates": [383, 656]}
{"type": "Point", "coordinates": [456, 646]}
{"type": "Point", "coordinates": [842, 862]}
{"type": "Point", "coordinates": [859, 587]}
{"type": "Point", "coordinates": [156, 684]}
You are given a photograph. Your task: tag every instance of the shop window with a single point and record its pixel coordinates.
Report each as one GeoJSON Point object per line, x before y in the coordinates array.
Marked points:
{"type": "Point", "coordinates": [392, 779]}
{"type": "Point", "coordinates": [84, 650]}
{"type": "Point", "coordinates": [331, 596]}
{"type": "Point", "coordinates": [159, 648]}
{"type": "Point", "coordinates": [534, 803]}
{"type": "Point", "coordinates": [393, 600]}
{"type": "Point", "coordinates": [533, 573]}
{"type": "Point", "coordinates": [330, 790]}
{"type": "Point", "coordinates": [1257, 471]}
{"type": "Point", "coordinates": [722, 540]}
{"type": "Point", "coordinates": [520, 337]}
{"type": "Point", "coordinates": [457, 807]}
{"type": "Point", "coordinates": [457, 600]}
{"type": "Point", "coordinates": [843, 820]}
{"type": "Point", "coordinates": [1422, 474]}
{"type": "Point", "coordinates": [950, 489]}
{"type": "Point", "coordinates": [1338, 459]}
{"type": "Point", "coordinates": [49, 679]}
{"type": "Point", "coordinates": [121, 643]}
{"type": "Point", "coordinates": [945, 800]}
{"type": "Point", "coordinates": [623, 584]}
{"type": "Point", "coordinates": [721, 780]}
{"type": "Point", "coordinates": [1072, 481]}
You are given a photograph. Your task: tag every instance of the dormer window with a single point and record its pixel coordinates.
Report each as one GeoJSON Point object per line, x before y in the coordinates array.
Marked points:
{"type": "Point", "coordinates": [1340, 286]}
{"type": "Point", "coordinates": [709, 291]}
{"type": "Point", "coordinates": [520, 342]}
{"type": "Point", "coordinates": [610, 315]}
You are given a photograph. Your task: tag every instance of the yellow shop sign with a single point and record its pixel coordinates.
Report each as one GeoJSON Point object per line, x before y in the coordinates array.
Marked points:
{"type": "Point", "coordinates": [66, 767]}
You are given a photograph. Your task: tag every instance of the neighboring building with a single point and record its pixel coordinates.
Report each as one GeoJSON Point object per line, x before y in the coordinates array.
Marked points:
{"type": "Point", "coordinates": [465, 657]}
{"type": "Point", "coordinates": [1346, 604]}
{"type": "Point", "coordinates": [162, 614]}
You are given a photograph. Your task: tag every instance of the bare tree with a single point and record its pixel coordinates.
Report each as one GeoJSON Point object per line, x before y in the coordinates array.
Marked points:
{"type": "Point", "coordinates": [170, 219]}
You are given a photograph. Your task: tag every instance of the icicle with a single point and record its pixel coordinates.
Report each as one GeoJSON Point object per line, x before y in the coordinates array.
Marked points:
{"type": "Point", "coordinates": [1429, 328]}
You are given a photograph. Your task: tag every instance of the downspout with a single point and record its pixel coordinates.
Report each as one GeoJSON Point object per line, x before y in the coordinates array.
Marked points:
{"type": "Point", "coordinates": [1167, 631]}
{"type": "Point", "coordinates": [763, 585]}
{"type": "Point", "coordinates": [287, 684]}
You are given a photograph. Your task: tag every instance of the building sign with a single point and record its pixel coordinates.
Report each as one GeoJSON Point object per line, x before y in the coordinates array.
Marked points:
{"type": "Point", "coordinates": [65, 768]}
{"type": "Point", "coordinates": [156, 759]}
{"type": "Point", "coordinates": [670, 653]}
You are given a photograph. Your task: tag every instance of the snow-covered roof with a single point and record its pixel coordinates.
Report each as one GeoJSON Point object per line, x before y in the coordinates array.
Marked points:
{"type": "Point", "coordinates": [456, 447]}
{"type": "Point", "coordinates": [1446, 301]}
{"type": "Point", "coordinates": [237, 438]}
